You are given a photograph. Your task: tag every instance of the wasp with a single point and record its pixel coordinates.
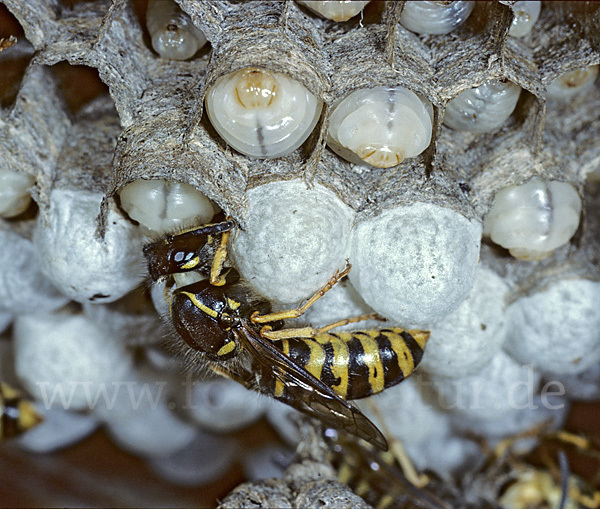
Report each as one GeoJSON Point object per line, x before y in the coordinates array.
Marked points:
{"type": "Point", "coordinates": [378, 477]}
{"type": "Point", "coordinates": [310, 369]}
{"type": "Point", "coordinates": [17, 414]}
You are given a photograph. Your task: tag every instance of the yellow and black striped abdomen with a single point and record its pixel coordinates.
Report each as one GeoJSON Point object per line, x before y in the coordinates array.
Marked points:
{"type": "Point", "coordinates": [357, 364]}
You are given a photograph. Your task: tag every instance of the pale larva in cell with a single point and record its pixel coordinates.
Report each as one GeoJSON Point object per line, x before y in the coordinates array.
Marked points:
{"type": "Point", "coordinates": [160, 205]}
{"type": "Point", "coordinates": [526, 14]}
{"type": "Point", "coordinates": [533, 219]}
{"type": "Point", "coordinates": [14, 195]}
{"type": "Point", "coordinates": [425, 17]}
{"type": "Point", "coordinates": [261, 113]}
{"type": "Point", "coordinates": [484, 108]}
{"type": "Point", "coordinates": [335, 10]}
{"type": "Point", "coordinates": [173, 34]}
{"type": "Point", "coordinates": [572, 83]}
{"type": "Point", "coordinates": [380, 126]}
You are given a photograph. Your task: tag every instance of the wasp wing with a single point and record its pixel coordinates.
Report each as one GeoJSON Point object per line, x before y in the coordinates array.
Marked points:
{"type": "Point", "coordinates": [308, 394]}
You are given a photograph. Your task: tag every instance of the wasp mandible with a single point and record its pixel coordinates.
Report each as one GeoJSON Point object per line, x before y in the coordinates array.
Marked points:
{"type": "Point", "coordinates": [311, 369]}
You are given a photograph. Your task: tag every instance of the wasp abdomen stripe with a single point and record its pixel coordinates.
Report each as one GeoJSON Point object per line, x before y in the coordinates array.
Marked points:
{"type": "Point", "coordinates": [359, 363]}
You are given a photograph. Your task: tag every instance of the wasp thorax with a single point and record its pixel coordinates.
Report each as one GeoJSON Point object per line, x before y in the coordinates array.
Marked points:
{"type": "Point", "coordinates": [261, 113]}
{"type": "Point", "coordinates": [483, 108]}
{"type": "Point", "coordinates": [572, 83]}
{"type": "Point", "coordinates": [161, 205]}
{"type": "Point", "coordinates": [380, 126]}
{"type": "Point", "coordinates": [533, 219]}
{"type": "Point", "coordinates": [526, 14]}
{"type": "Point", "coordinates": [173, 34]}
{"type": "Point", "coordinates": [14, 195]}
{"type": "Point", "coordinates": [425, 17]}
{"type": "Point", "coordinates": [336, 10]}
{"type": "Point", "coordinates": [200, 316]}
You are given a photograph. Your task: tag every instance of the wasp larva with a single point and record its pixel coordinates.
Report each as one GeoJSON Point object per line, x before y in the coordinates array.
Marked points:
{"type": "Point", "coordinates": [425, 17]}
{"type": "Point", "coordinates": [161, 205]}
{"type": "Point", "coordinates": [14, 196]}
{"type": "Point", "coordinates": [526, 14]}
{"type": "Point", "coordinates": [380, 126]}
{"type": "Point", "coordinates": [261, 113]}
{"type": "Point", "coordinates": [17, 414]}
{"type": "Point", "coordinates": [173, 34]}
{"type": "Point", "coordinates": [572, 83]}
{"type": "Point", "coordinates": [336, 10]}
{"type": "Point", "coordinates": [484, 108]}
{"type": "Point", "coordinates": [533, 219]}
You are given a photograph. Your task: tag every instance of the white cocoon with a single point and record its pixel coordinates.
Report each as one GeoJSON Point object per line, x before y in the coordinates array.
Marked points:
{"type": "Point", "coordinates": [129, 326]}
{"type": "Point", "coordinates": [502, 387]}
{"type": "Point", "coordinates": [65, 360]}
{"type": "Point", "coordinates": [5, 321]}
{"type": "Point", "coordinates": [71, 253]}
{"type": "Point", "coordinates": [550, 410]}
{"type": "Point", "coordinates": [223, 405]}
{"type": "Point", "coordinates": [408, 411]}
{"type": "Point", "coordinates": [468, 338]}
{"type": "Point", "coordinates": [557, 330]}
{"type": "Point", "coordinates": [23, 288]}
{"type": "Point", "coordinates": [131, 393]}
{"type": "Point", "coordinates": [295, 239]}
{"type": "Point", "coordinates": [444, 454]}
{"type": "Point", "coordinates": [415, 264]}
{"type": "Point", "coordinates": [269, 461]}
{"type": "Point", "coordinates": [152, 432]}
{"type": "Point", "coordinates": [584, 386]}
{"type": "Point", "coordinates": [202, 461]}
{"type": "Point", "coordinates": [135, 411]}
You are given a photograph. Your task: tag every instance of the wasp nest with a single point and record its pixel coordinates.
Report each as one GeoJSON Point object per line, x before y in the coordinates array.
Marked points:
{"type": "Point", "coordinates": [448, 150]}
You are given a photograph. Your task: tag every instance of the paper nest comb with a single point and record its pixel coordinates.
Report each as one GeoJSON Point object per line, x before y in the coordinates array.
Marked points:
{"type": "Point", "coordinates": [154, 126]}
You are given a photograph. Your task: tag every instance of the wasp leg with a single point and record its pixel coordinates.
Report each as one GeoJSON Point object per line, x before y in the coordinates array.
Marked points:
{"type": "Point", "coordinates": [299, 311]}
{"type": "Point", "coordinates": [216, 279]}
{"type": "Point", "coordinates": [346, 321]}
{"type": "Point", "coordinates": [581, 442]}
{"type": "Point", "coordinates": [586, 501]}
{"type": "Point", "coordinates": [311, 332]}
{"type": "Point", "coordinates": [506, 444]}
